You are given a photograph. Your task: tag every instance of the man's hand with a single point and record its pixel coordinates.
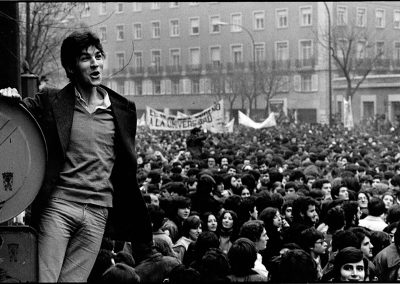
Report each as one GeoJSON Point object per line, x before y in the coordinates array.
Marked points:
{"type": "Point", "coordinates": [10, 93]}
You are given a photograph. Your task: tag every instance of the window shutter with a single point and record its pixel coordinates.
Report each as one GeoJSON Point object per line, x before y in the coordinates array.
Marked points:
{"type": "Point", "coordinates": [163, 87]}
{"type": "Point", "coordinates": [202, 85]}
{"type": "Point", "coordinates": [207, 86]}
{"type": "Point", "coordinates": [297, 84]}
{"type": "Point", "coordinates": [186, 86]}
{"type": "Point", "coordinates": [314, 82]}
{"type": "Point", "coordinates": [167, 86]}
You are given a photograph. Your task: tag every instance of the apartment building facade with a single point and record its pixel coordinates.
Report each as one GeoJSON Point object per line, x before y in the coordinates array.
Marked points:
{"type": "Point", "coordinates": [166, 55]}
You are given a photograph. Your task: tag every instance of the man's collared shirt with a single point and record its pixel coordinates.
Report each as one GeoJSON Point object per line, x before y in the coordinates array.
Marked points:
{"type": "Point", "coordinates": [106, 103]}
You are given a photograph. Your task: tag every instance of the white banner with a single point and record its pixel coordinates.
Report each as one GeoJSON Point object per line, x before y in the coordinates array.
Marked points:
{"type": "Point", "coordinates": [247, 121]}
{"type": "Point", "coordinates": [141, 121]}
{"type": "Point", "coordinates": [211, 119]}
{"type": "Point", "coordinates": [181, 114]}
{"type": "Point", "coordinates": [347, 114]}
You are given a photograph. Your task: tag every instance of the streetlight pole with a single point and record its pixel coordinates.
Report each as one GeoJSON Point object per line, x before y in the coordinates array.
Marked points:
{"type": "Point", "coordinates": [329, 64]}
{"type": "Point", "coordinates": [254, 56]}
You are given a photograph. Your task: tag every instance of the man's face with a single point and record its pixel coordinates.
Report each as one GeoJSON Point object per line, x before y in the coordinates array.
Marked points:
{"type": "Point", "coordinates": [211, 162]}
{"type": "Point", "coordinates": [88, 72]}
{"type": "Point", "coordinates": [232, 171]}
{"type": "Point", "coordinates": [312, 214]}
{"type": "Point", "coordinates": [343, 193]}
{"type": "Point", "coordinates": [326, 189]}
{"type": "Point", "coordinates": [224, 161]}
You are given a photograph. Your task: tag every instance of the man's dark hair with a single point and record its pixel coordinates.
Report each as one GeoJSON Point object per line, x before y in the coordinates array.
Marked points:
{"type": "Point", "coordinates": [319, 183]}
{"type": "Point", "coordinates": [72, 47]}
{"type": "Point", "coordinates": [376, 207]}
{"type": "Point", "coordinates": [300, 206]}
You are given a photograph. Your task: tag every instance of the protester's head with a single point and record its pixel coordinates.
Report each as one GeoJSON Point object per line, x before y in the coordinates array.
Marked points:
{"type": "Point", "coordinates": [376, 207]}
{"type": "Point", "coordinates": [364, 240]}
{"type": "Point", "coordinates": [120, 273]}
{"type": "Point", "coordinates": [210, 222]}
{"type": "Point", "coordinates": [352, 213]}
{"type": "Point", "coordinates": [205, 241]}
{"type": "Point", "coordinates": [242, 256]}
{"type": "Point", "coordinates": [271, 218]}
{"type": "Point", "coordinates": [335, 219]}
{"type": "Point", "coordinates": [313, 241]}
{"type": "Point", "coordinates": [297, 266]}
{"type": "Point", "coordinates": [192, 227]}
{"type": "Point", "coordinates": [214, 266]}
{"type": "Point", "coordinates": [304, 210]}
{"type": "Point", "coordinates": [255, 231]}
{"type": "Point", "coordinates": [182, 274]}
{"type": "Point", "coordinates": [342, 239]}
{"type": "Point", "coordinates": [80, 44]}
{"type": "Point", "coordinates": [350, 265]}
{"type": "Point", "coordinates": [379, 240]}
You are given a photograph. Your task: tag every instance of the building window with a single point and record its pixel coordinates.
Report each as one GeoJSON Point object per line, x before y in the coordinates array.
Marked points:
{"type": "Point", "coordinates": [174, 27]}
{"type": "Point", "coordinates": [137, 31]}
{"type": "Point", "coordinates": [156, 58]}
{"type": "Point", "coordinates": [103, 8]}
{"type": "Point", "coordinates": [282, 50]}
{"type": "Point", "coordinates": [195, 86]}
{"type": "Point", "coordinates": [194, 26]}
{"type": "Point", "coordinates": [306, 83]}
{"type": "Point", "coordinates": [137, 6]}
{"type": "Point", "coordinates": [175, 86]}
{"type": "Point", "coordinates": [155, 6]}
{"type": "Point", "coordinates": [341, 15]}
{"type": "Point", "coordinates": [173, 4]}
{"type": "Point", "coordinates": [361, 17]}
{"type": "Point", "coordinates": [174, 57]}
{"type": "Point", "coordinates": [396, 51]}
{"type": "Point", "coordinates": [215, 54]}
{"type": "Point", "coordinates": [103, 33]}
{"type": "Point", "coordinates": [305, 16]}
{"type": "Point", "coordinates": [156, 87]}
{"type": "Point", "coordinates": [361, 51]}
{"type": "Point", "coordinates": [380, 49]}
{"type": "Point", "coordinates": [120, 7]}
{"type": "Point", "coordinates": [236, 53]}
{"type": "Point", "coordinates": [215, 27]}
{"type": "Point", "coordinates": [86, 10]}
{"type": "Point", "coordinates": [306, 51]}
{"type": "Point", "coordinates": [236, 20]}
{"type": "Point", "coordinates": [258, 20]}
{"type": "Point", "coordinates": [138, 88]}
{"type": "Point", "coordinates": [380, 18]}
{"type": "Point", "coordinates": [121, 60]}
{"type": "Point", "coordinates": [155, 30]}
{"type": "Point", "coordinates": [194, 56]}
{"type": "Point", "coordinates": [396, 19]}
{"type": "Point", "coordinates": [120, 32]}
{"type": "Point", "coordinates": [260, 51]}
{"type": "Point", "coordinates": [138, 59]}
{"type": "Point", "coordinates": [282, 18]}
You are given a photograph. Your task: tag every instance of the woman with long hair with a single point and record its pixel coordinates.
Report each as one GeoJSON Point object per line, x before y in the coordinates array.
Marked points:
{"type": "Point", "coordinates": [227, 229]}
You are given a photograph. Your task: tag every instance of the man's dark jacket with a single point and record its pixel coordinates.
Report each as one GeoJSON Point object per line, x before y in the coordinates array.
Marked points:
{"type": "Point", "coordinates": [54, 109]}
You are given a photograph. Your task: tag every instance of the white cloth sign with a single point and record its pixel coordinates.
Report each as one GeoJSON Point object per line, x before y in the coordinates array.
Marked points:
{"type": "Point", "coordinates": [247, 121]}
{"type": "Point", "coordinates": [211, 119]}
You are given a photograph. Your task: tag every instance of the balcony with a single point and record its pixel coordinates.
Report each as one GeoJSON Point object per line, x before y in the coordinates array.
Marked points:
{"type": "Point", "coordinates": [214, 66]}
{"type": "Point", "coordinates": [308, 63]}
{"type": "Point", "coordinates": [281, 64]}
{"type": "Point", "coordinates": [155, 70]}
{"type": "Point", "coordinates": [136, 71]}
{"type": "Point", "coordinates": [230, 66]}
{"type": "Point", "coordinates": [193, 69]}
{"type": "Point", "coordinates": [173, 69]}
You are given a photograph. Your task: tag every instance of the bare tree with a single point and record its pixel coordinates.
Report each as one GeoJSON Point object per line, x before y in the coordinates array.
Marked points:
{"type": "Point", "coordinates": [271, 80]}
{"type": "Point", "coordinates": [235, 87]}
{"type": "Point", "coordinates": [43, 27]}
{"type": "Point", "coordinates": [355, 52]}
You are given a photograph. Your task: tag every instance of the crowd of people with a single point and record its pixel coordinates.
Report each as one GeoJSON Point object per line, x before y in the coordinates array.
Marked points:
{"type": "Point", "coordinates": [292, 203]}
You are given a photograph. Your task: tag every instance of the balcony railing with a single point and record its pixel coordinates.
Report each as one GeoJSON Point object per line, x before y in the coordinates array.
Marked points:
{"type": "Point", "coordinates": [174, 69]}
{"type": "Point", "coordinates": [155, 70]}
{"type": "Point", "coordinates": [193, 68]}
{"type": "Point", "coordinates": [214, 66]}
{"type": "Point", "coordinates": [234, 66]}
{"type": "Point", "coordinates": [305, 63]}
{"type": "Point", "coordinates": [136, 70]}
{"type": "Point", "coordinates": [281, 64]}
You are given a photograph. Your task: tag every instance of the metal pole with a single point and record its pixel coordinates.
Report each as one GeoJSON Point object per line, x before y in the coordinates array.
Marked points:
{"type": "Point", "coordinates": [28, 34]}
{"type": "Point", "coordinates": [329, 64]}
